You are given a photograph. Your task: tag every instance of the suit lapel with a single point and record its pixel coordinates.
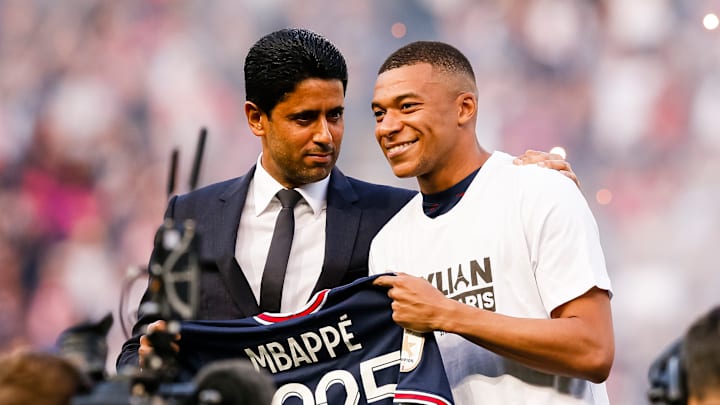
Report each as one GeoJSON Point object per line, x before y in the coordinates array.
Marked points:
{"type": "Point", "coordinates": [232, 202]}
{"type": "Point", "coordinates": [238, 286]}
{"type": "Point", "coordinates": [341, 228]}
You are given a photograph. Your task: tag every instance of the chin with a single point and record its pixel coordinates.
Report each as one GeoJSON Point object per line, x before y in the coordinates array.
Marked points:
{"type": "Point", "coordinates": [318, 173]}
{"type": "Point", "coordinates": [403, 173]}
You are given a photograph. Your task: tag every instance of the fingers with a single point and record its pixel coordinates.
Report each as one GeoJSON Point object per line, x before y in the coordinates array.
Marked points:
{"type": "Point", "coordinates": [556, 164]}
{"type": "Point", "coordinates": [146, 346]}
{"type": "Point", "coordinates": [534, 156]}
{"type": "Point", "coordinates": [160, 326]}
{"type": "Point", "coordinates": [390, 280]}
{"type": "Point", "coordinates": [531, 156]}
{"type": "Point", "coordinates": [157, 326]}
{"type": "Point", "coordinates": [561, 166]}
{"type": "Point", "coordinates": [385, 281]}
{"type": "Point", "coordinates": [144, 350]}
{"type": "Point", "coordinates": [548, 160]}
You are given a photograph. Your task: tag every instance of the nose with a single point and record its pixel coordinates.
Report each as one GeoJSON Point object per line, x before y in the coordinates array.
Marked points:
{"type": "Point", "coordinates": [388, 126]}
{"type": "Point", "coordinates": [322, 132]}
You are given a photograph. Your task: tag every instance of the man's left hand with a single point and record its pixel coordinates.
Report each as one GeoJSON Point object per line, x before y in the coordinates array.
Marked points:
{"type": "Point", "coordinates": [549, 160]}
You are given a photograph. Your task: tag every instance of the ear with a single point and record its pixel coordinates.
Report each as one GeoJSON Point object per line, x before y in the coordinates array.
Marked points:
{"type": "Point", "coordinates": [257, 120]}
{"type": "Point", "coordinates": [467, 108]}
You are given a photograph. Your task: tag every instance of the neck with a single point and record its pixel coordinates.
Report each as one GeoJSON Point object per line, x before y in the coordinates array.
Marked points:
{"type": "Point", "coordinates": [452, 171]}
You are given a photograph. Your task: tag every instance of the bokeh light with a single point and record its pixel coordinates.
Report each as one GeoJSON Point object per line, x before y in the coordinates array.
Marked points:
{"type": "Point", "coordinates": [711, 21]}
{"type": "Point", "coordinates": [603, 196]}
{"type": "Point", "coordinates": [398, 30]}
{"type": "Point", "coordinates": [559, 150]}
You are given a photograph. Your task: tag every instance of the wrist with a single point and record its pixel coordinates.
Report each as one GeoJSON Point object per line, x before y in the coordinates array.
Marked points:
{"type": "Point", "coordinates": [448, 315]}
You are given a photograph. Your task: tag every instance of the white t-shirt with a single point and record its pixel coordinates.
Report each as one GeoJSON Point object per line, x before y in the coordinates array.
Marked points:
{"type": "Point", "coordinates": [521, 242]}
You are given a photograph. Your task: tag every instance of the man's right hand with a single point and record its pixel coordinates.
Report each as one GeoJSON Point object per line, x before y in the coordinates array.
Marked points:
{"type": "Point", "coordinates": [146, 347]}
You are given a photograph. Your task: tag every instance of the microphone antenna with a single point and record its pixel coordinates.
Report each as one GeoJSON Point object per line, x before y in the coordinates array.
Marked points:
{"type": "Point", "coordinates": [172, 175]}
{"type": "Point", "coordinates": [198, 159]}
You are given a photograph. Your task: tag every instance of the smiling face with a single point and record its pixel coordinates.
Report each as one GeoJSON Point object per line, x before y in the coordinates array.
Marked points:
{"type": "Point", "coordinates": [420, 113]}
{"type": "Point", "coordinates": [301, 137]}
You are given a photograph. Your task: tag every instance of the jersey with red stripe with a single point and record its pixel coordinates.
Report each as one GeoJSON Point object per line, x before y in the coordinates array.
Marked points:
{"type": "Point", "coordinates": [342, 348]}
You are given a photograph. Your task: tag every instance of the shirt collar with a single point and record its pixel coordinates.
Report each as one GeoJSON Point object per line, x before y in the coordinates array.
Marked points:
{"type": "Point", "coordinates": [265, 187]}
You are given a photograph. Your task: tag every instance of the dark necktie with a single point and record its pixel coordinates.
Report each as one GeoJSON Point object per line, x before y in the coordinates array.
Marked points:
{"type": "Point", "coordinates": [279, 253]}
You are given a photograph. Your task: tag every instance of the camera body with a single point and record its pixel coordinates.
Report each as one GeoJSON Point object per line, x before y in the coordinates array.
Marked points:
{"type": "Point", "coordinates": [668, 381]}
{"type": "Point", "coordinates": [138, 390]}
{"type": "Point", "coordinates": [172, 296]}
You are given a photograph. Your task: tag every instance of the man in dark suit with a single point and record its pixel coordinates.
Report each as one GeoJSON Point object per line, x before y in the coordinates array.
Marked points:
{"type": "Point", "coordinates": [295, 84]}
{"type": "Point", "coordinates": [296, 109]}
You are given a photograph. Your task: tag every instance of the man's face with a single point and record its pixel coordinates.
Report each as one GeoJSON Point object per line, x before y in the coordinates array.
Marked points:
{"type": "Point", "coordinates": [301, 139]}
{"type": "Point", "coordinates": [416, 117]}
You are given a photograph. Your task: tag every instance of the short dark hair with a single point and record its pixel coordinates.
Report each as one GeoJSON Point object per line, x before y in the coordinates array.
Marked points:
{"type": "Point", "coordinates": [439, 54]}
{"type": "Point", "coordinates": [701, 354]}
{"type": "Point", "coordinates": [279, 61]}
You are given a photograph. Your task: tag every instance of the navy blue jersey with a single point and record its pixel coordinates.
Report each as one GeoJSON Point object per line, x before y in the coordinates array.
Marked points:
{"type": "Point", "coordinates": [342, 347]}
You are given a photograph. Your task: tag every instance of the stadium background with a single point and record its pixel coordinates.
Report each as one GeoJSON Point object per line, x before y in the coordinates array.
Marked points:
{"type": "Point", "coordinates": [95, 94]}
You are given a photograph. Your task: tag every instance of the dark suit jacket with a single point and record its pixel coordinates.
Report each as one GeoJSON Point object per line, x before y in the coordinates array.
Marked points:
{"type": "Point", "coordinates": [356, 210]}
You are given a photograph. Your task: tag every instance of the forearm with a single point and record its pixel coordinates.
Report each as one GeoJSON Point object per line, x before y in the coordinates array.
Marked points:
{"type": "Point", "coordinates": [577, 342]}
{"type": "Point", "coordinates": [129, 355]}
{"type": "Point", "coordinates": [571, 346]}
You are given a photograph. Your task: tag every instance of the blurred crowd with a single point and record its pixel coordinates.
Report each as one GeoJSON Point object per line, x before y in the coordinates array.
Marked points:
{"type": "Point", "coordinates": [94, 96]}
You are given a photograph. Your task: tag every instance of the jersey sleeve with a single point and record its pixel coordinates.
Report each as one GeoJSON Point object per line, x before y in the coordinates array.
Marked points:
{"type": "Point", "coordinates": [420, 380]}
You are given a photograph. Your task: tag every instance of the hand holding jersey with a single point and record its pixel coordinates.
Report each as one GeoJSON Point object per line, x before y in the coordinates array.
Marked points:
{"type": "Point", "coordinates": [417, 305]}
{"type": "Point", "coordinates": [146, 348]}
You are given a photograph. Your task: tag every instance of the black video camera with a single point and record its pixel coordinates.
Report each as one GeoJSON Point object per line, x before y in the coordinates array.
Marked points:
{"type": "Point", "coordinates": [172, 296]}
{"type": "Point", "coordinates": [173, 293]}
{"type": "Point", "coordinates": [173, 290]}
{"type": "Point", "coordinates": [668, 381]}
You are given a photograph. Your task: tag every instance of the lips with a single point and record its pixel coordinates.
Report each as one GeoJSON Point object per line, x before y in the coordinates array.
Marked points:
{"type": "Point", "coordinates": [397, 149]}
{"type": "Point", "coordinates": [321, 157]}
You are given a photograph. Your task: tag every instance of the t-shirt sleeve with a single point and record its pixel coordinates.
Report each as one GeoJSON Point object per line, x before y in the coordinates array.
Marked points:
{"type": "Point", "coordinates": [566, 254]}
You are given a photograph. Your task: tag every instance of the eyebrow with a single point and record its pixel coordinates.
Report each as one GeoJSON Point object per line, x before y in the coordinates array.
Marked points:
{"type": "Point", "coordinates": [301, 113]}
{"type": "Point", "coordinates": [397, 99]}
{"type": "Point", "coordinates": [314, 112]}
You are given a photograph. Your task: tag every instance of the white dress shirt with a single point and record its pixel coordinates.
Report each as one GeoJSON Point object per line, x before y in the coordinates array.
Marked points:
{"type": "Point", "coordinates": [257, 223]}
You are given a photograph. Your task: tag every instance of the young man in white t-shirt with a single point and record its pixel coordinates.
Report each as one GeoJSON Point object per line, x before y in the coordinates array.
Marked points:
{"type": "Point", "coordinates": [502, 261]}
